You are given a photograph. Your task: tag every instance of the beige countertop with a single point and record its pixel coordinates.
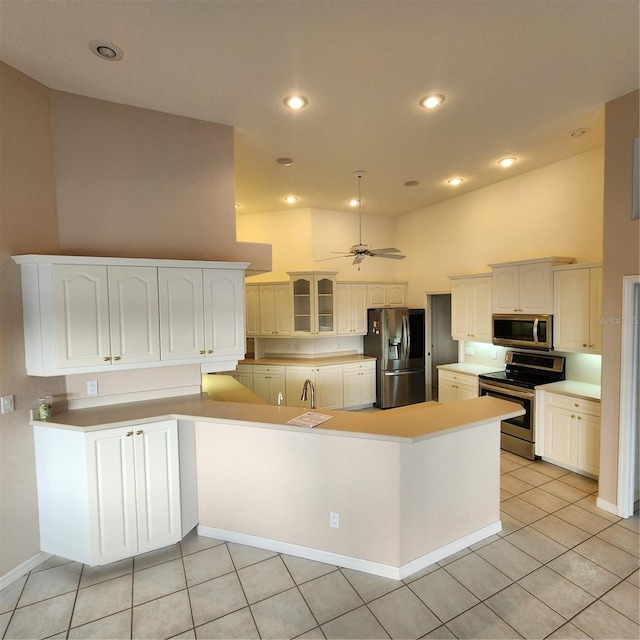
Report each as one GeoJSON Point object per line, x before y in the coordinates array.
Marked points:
{"type": "Point", "coordinates": [573, 388]}
{"type": "Point", "coordinates": [316, 361]}
{"type": "Point", "coordinates": [412, 423]}
{"type": "Point", "coordinates": [471, 368]}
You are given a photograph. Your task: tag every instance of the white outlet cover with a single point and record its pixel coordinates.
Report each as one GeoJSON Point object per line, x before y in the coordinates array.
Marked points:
{"type": "Point", "coordinates": [6, 405]}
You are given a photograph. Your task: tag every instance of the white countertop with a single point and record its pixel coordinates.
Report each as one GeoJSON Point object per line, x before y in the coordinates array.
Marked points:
{"type": "Point", "coordinates": [573, 388]}
{"type": "Point", "coordinates": [470, 368]}
{"type": "Point", "coordinates": [411, 423]}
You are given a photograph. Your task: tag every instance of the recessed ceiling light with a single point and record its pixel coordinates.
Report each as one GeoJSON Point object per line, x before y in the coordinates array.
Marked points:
{"type": "Point", "coordinates": [295, 102]}
{"type": "Point", "coordinates": [353, 203]}
{"type": "Point", "coordinates": [507, 162]}
{"type": "Point", "coordinates": [454, 182]}
{"type": "Point", "coordinates": [286, 162]}
{"type": "Point", "coordinates": [106, 50]}
{"type": "Point", "coordinates": [411, 183]}
{"type": "Point", "coordinates": [432, 101]}
{"type": "Point", "coordinates": [576, 133]}
{"type": "Point", "coordinates": [291, 199]}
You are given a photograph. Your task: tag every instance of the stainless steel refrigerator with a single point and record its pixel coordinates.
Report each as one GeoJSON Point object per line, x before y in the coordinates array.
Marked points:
{"type": "Point", "coordinates": [395, 337]}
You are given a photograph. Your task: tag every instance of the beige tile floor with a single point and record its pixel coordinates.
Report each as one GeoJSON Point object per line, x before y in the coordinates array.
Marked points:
{"type": "Point", "coordinates": [561, 568]}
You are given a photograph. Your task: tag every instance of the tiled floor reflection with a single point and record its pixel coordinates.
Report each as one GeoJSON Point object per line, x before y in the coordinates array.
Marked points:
{"type": "Point", "coordinates": [560, 568]}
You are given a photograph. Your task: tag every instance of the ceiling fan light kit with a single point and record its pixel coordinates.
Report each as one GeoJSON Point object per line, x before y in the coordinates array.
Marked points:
{"type": "Point", "coordinates": [360, 251]}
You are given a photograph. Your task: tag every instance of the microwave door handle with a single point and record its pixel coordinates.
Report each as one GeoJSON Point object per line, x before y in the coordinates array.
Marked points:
{"type": "Point", "coordinates": [535, 331]}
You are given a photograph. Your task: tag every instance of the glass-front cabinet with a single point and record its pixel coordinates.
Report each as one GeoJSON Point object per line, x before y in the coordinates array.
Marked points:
{"type": "Point", "coordinates": [313, 302]}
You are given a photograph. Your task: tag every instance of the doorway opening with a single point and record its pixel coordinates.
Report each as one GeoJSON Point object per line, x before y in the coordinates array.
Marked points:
{"type": "Point", "coordinates": [441, 347]}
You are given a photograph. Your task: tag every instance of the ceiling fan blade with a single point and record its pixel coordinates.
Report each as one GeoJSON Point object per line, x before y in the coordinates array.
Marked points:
{"type": "Point", "coordinates": [386, 250]}
{"type": "Point", "coordinates": [391, 256]}
{"type": "Point", "coordinates": [358, 259]}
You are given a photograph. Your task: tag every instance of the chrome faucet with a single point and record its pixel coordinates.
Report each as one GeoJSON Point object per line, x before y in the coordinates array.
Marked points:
{"type": "Point", "coordinates": [307, 384]}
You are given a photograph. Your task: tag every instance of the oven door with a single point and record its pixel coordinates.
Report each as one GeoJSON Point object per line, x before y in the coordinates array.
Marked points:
{"type": "Point", "coordinates": [521, 426]}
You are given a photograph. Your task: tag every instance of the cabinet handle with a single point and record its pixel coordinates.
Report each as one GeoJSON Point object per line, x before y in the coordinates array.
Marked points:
{"type": "Point", "coordinates": [579, 417]}
{"type": "Point", "coordinates": [139, 432]}
{"type": "Point", "coordinates": [202, 352]}
{"type": "Point", "coordinates": [576, 404]}
{"type": "Point", "coordinates": [573, 417]}
{"type": "Point", "coordinates": [209, 351]}
{"type": "Point", "coordinates": [117, 357]}
{"type": "Point", "coordinates": [129, 433]}
{"type": "Point", "coordinates": [106, 358]}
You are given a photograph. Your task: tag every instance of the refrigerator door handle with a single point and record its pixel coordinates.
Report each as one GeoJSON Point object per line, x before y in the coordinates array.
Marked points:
{"type": "Point", "coordinates": [405, 338]}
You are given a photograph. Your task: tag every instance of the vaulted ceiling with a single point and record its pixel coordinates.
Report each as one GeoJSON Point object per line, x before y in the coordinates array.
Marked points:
{"type": "Point", "coordinates": [518, 77]}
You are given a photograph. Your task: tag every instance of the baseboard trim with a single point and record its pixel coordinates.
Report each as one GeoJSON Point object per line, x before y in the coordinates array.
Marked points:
{"type": "Point", "coordinates": [349, 562]}
{"type": "Point", "coordinates": [607, 506]}
{"type": "Point", "coordinates": [22, 569]}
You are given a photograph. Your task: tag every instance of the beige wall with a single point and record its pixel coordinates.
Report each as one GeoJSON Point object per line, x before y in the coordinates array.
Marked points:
{"type": "Point", "coordinates": [621, 258]}
{"type": "Point", "coordinates": [555, 210]}
{"type": "Point", "coordinates": [302, 238]}
{"type": "Point", "coordinates": [28, 224]}
{"type": "Point", "coordinates": [139, 183]}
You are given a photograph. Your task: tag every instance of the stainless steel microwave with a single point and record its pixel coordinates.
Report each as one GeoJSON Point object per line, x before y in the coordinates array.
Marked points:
{"type": "Point", "coordinates": [523, 331]}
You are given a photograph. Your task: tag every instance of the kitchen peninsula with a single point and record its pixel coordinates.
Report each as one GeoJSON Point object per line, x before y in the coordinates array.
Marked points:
{"type": "Point", "coordinates": [406, 487]}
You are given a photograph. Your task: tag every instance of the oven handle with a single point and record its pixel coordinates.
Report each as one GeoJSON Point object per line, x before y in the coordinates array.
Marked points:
{"type": "Point", "coordinates": [507, 391]}
{"type": "Point", "coordinates": [535, 330]}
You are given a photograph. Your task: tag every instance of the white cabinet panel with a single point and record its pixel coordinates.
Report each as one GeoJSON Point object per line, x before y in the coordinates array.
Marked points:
{"type": "Point", "coordinates": [351, 308]}
{"type": "Point", "coordinates": [327, 381]}
{"type": "Point", "coordinates": [386, 294]}
{"type": "Point", "coordinates": [455, 387]}
{"type": "Point", "coordinates": [269, 382]}
{"type": "Point", "coordinates": [471, 308]}
{"type": "Point", "coordinates": [313, 296]}
{"type": "Point", "coordinates": [223, 313]}
{"type": "Point", "coordinates": [359, 384]}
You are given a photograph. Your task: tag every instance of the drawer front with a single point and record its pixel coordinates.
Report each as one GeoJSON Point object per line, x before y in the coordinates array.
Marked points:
{"type": "Point", "coordinates": [268, 368]}
{"type": "Point", "coordinates": [573, 403]}
{"type": "Point", "coordinates": [244, 368]}
{"type": "Point", "coordinates": [458, 378]}
{"type": "Point", "coordinates": [359, 366]}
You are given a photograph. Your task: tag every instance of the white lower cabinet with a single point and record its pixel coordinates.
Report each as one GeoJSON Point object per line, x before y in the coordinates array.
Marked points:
{"type": "Point", "coordinates": [572, 433]}
{"type": "Point", "coordinates": [359, 384]}
{"type": "Point", "coordinates": [454, 387]}
{"type": "Point", "coordinates": [269, 382]}
{"type": "Point", "coordinates": [109, 494]}
{"type": "Point", "coordinates": [327, 382]}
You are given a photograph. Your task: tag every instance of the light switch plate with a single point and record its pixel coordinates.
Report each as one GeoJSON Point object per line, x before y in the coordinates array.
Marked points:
{"type": "Point", "coordinates": [6, 404]}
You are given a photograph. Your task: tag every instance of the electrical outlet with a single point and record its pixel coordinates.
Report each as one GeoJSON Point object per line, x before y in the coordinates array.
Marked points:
{"type": "Point", "coordinates": [6, 404]}
{"type": "Point", "coordinates": [494, 354]}
{"type": "Point", "coordinates": [92, 387]}
{"type": "Point", "coordinates": [468, 351]}
{"type": "Point", "coordinates": [334, 520]}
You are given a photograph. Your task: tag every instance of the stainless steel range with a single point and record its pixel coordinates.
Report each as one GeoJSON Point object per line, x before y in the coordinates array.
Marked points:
{"type": "Point", "coordinates": [523, 372]}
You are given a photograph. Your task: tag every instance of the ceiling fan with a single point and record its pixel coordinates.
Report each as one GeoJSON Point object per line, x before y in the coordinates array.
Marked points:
{"type": "Point", "coordinates": [360, 251]}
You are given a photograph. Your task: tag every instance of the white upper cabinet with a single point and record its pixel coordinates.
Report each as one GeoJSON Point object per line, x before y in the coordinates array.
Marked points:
{"type": "Point", "coordinates": [577, 308]}
{"type": "Point", "coordinates": [525, 287]}
{"type": "Point", "coordinates": [471, 307]}
{"type": "Point", "coordinates": [104, 315]}
{"type": "Point", "coordinates": [201, 313]}
{"type": "Point", "coordinates": [386, 294]}
{"type": "Point", "coordinates": [275, 309]}
{"type": "Point", "coordinates": [351, 308]}
{"type": "Point", "coordinates": [313, 295]}
{"type": "Point", "coordinates": [85, 314]}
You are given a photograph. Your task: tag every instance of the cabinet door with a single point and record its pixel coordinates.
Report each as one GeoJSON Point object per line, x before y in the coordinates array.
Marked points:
{"type": "Point", "coordinates": [302, 289]}
{"type": "Point", "coordinates": [329, 394]}
{"type": "Point", "coordinates": [323, 321]}
{"type": "Point", "coordinates": [460, 308]}
{"type": "Point", "coordinates": [359, 384]}
{"type": "Point", "coordinates": [595, 310]}
{"type": "Point", "coordinates": [181, 313]}
{"type": "Point", "coordinates": [81, 312]}
{"type": "Point", "coordinates": [376, 296]}
{"type": "Point", "coordinates": [480, 309]}
{"type": "Point", "coordinates": [277, 387]}
{"type": "Point", "coordinates": [446, 391]}
{"type": "Point", "coordinates": [396, 295]}
{"type": "Point", "coordinates": [588, 443]}
{"type": "Point", "coordinates": [535, 288]}
{"type": "Point", "coordinates": [344, 309]}
{"type": "Point", "coordinates": [359, 308]}
{"type": "Point", "coordinates": [282, 300]}
{"type": "Point", "coordinates": [571, 309]}
{"type": "Point", "coordinates": [261, 386]}
{"type": "Point", "coordinates": [465, 392]}
{"type": "Point", "coordinates": [295, 378]}
{"type": "Point", "coordinates": [112, 499]}
{"type": "Point", "coordinates": [559, 436]}
{"type": "Point", "coordinates": [223, 313]}
{"type": "Point", "coordinates": [133, 312]}
{"type": "Point", "coordinates": [157, 483]}
{"type": "Point", "coordinates": [252, 306]}
{"type": "Point", "coordinates": [506, 289]}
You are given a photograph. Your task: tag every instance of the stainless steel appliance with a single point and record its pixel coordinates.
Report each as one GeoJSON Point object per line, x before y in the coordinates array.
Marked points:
{"type": "Point", "coordinates": [396, 339]}
{"type": "Point", "coordinates": [523, 372]}
{"type": "Point", "coordinates": [523, 331]}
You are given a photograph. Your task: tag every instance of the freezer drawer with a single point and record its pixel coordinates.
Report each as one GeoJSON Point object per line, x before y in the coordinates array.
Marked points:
{"type": "Point", "coordinates": [399, 388]}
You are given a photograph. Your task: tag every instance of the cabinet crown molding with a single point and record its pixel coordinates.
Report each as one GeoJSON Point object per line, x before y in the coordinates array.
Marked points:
{"type": "Point", "coordinates": [553, 259]}
{"type": "Point", "coordinates": [133, 262]}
